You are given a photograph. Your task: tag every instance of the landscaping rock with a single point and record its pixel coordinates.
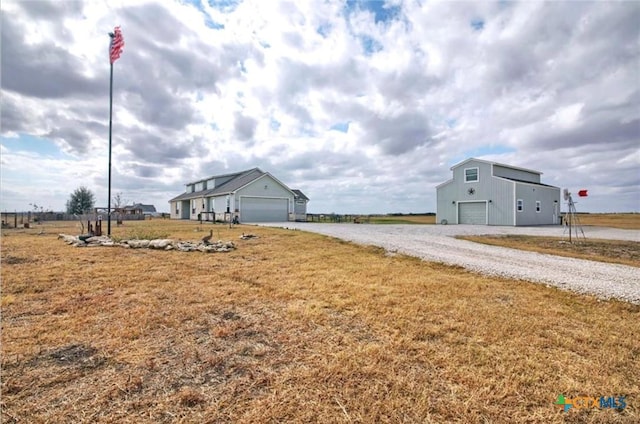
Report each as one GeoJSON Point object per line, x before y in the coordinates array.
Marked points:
{"type": "Point", "coordinates": [160, 244]}
{"type": "Point", "coordinates": [137, 244]}
{"type": "Point", "coordinates": [98, 240]}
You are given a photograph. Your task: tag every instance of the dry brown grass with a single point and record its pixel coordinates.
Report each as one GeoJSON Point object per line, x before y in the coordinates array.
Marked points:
{"type": "Point", "coordinates": [296, 327]}
{"type": "Point", "coordinates": [403, 219]}
{"type": "Point", "coordinates": [610, 251]}
{"type": "Point", "coordinates": [614, 220]}
{"type": "Point", "coordinates": [627, 221]}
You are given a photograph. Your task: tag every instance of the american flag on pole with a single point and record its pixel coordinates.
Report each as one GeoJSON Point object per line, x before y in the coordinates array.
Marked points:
{"type": "Point", "coordinates": [117, 43]}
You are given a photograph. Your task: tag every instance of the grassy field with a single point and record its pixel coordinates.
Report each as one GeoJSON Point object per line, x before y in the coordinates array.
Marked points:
{"type": "Point", "coordinates": [403, 219]}
{"type": "Point", "coordinates": [615, 220]}
{"type": "Point", "coordinates": [611, 251]}
{"type": "Point", "coordinates": [295, 327]}
{"type": "Point", "coordinates": [628, 221]}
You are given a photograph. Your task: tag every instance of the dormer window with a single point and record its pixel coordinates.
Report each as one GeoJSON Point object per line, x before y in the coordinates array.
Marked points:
{"type": "Point", "coordinates": [471, 175]}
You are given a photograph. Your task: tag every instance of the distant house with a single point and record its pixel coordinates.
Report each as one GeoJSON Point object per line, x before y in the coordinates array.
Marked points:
{"type": "Point", "coordinates": [251, 196]}
{"type": "Point", "coordinates": [489, 193]}
{"type": "Point", "coordinates": [140, 209]}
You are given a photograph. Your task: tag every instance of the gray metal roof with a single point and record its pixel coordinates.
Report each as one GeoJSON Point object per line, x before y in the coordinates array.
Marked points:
{"type": "Point", "coordinates": [525, 182]}
{"type": "Point", "coordinates": [232, 174]}
{"type": "Point", "coordinates": [299, 194]}
{"type": "Point", "coordinates": [238, 180]}
{"type": "Point", "coordinates": [494, 163]}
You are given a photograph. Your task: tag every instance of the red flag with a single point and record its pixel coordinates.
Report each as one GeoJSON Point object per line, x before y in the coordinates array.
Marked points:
{"type": "Point", "coordinates": [117, 43]}
{"type": "Point", "coordinates": [582, 193]}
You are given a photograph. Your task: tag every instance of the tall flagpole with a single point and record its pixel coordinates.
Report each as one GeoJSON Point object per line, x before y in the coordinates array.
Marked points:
{"type": "Point", "coordinates": [110, 125]}
{"type": "Point", "coordinates": [115, 49]}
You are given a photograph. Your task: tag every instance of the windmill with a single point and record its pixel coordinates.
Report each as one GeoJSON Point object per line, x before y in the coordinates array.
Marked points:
{"type": "Point", "coordinates": [571, 219]}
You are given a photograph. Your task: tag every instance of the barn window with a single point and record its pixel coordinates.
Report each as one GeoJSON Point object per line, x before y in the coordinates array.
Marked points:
{"type": "Point", "coordinates": [519, 205]}
{"type": "Point", "coordinates": [537, 206]}
{"type": "Point", "coordinates": [471, 175]}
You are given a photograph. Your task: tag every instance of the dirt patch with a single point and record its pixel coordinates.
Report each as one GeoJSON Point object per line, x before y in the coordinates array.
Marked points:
{"type": "Point", "coordinates": [14, 260]}
{"type": "Point", "coordinates": [74, 354]}
{"type": "Point", "coordinates": [71, 356]}
{"type": "Point", "coordinates": [230, 315]}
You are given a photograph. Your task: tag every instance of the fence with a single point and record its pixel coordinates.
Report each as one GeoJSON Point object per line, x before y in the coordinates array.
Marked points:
{"type": "Point", "coordinates": [25, 219]}
{"type": "Point", "coordinates": [332, 217]}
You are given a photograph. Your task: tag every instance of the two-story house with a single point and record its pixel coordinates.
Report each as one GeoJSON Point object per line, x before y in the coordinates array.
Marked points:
{"type": "Point", "coordinates": [250, 196]}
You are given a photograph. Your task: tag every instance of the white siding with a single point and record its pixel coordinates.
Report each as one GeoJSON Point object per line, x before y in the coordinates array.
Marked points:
{"type": "Point", "coordinates": [446, 203]}
{"type": "Point", "coordinates": [300, 210]}
{"type": "Point", "coordinates": [549, 198]}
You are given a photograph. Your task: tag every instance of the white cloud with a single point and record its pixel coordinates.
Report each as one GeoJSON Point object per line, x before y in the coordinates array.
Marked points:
{"type": "Point", "coordinates": [364, 106]}
{"type": "Point", "coordinates": [567, 117]}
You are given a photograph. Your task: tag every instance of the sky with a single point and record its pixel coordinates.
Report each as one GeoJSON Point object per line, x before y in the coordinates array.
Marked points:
{"type": "Point", "coordinates": [364, 106]}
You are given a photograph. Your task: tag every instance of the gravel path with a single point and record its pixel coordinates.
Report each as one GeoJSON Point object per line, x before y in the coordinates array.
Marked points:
{"type": "Point", "coordinates": [437, 243]}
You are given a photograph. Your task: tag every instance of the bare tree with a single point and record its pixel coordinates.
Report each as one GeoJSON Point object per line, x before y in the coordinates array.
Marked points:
{"type": "Point", "coordinates": [118, 200]}
{"type": "Point", "coordinates": [38, 212]}
{"type": "Point", "coordinates": [118, 203]}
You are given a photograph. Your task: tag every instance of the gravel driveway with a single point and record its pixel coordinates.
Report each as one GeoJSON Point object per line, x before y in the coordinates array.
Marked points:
{"type": "Point", "coordinates": [437, 243]}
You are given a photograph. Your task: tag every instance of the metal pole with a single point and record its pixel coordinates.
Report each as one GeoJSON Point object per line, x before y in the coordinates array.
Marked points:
{"type": "Point", "coordinates": [110, 124]}
{"type": "Point", "coordinates": [570, 216]}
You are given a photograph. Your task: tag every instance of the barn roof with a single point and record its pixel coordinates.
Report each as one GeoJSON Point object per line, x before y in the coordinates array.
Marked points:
{"type": "Point", "coordinates": [464, 162]}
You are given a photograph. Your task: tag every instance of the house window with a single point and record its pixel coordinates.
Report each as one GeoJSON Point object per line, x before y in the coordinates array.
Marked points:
{"type": "Point", "coordinates": [177, 209]}
{"type": "Point", "coordinates": [537, 206]}
{"type": "Point", "coordinates": [519, 205]}
{"type": "Point", "coordinates": [471, 175]}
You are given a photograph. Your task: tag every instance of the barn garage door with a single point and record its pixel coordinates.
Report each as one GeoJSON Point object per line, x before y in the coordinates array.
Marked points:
{"type": "Point", "coordinates": [472, 213]}
{"type": "Point", "coordinates": [263, 209]}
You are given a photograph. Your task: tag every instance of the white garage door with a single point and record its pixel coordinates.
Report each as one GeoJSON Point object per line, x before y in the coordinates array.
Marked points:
{"type": "Point", "coordinates": [472, 213]}
{"type": "Point", "coordinates": [263, 209]}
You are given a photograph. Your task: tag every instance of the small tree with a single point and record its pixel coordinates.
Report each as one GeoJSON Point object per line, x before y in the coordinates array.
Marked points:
{"type": "Point", "coordinates": [38, 212]}
{"type": "Point", "coordinates": [118, 203]}
{"type": "Point", "coordinates": [118, 200]}
{"type": "Point", "coordinates": [82, 200]}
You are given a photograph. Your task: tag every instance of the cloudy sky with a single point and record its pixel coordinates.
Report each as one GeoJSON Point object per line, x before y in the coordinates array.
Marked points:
{"type": "Point", "coordinates": [364, 106]}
